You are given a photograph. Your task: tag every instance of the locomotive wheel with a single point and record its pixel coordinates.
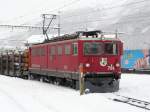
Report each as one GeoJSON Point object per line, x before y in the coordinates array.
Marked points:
{"type": "Point", "coordinates": [30, 77]}
{"type": "Point", "coordinates": [73, 84]}
{"type": "Point", "coordinates": [41, 79]}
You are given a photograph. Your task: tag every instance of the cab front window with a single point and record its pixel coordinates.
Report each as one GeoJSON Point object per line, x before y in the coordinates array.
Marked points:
{"type": "Point", "coordinates": [110, 48]}
{"type": "Point", "coordinates": [93, 48]}
{"type": "Point", "coordinates": [99, 48]}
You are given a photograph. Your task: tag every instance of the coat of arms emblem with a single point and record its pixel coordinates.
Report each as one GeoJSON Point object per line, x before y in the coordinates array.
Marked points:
{"type": "Point", "coordinates": [103, 61]}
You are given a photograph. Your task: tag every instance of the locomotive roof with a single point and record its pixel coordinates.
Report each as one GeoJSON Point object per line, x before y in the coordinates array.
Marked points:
{"type": "Point", "coordinates": [83, 35]}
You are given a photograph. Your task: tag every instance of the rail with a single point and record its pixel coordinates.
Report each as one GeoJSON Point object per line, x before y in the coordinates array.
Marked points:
{"type": "Point", "coordinates": [132, 101]}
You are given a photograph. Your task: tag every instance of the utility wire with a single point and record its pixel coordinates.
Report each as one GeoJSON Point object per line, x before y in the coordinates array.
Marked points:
{"type": "Point", "coordinates": [141, 20]}
{"type": "Point", "coordinates": [109, 15]}
{"type": "Point", "coordinates": [12, 40]}
{"type": "Point", "coordinates": [108, 8]}
{"type": "Point", "coordinates": [128, 16]}
{"type": "Point", "coordinates": [25, 27]}
{"type": "Point", "coordinates": [87, 13]}
{"type": "Point", "coordinates": [90, 21]}
{"type": "Point", "coordinates": [67, 5]}
{"type": "Point", "coordinates": [74, 1]}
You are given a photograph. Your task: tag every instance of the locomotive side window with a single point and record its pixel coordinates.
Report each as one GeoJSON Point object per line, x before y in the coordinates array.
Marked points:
{"type": "Point", "coordinates": [93, 48]}
{"type": "Point", "coordinates": [37, 51]}
{"type": "Point", "coordinates": [67, 49]}
{"type": "Point", "coordinates": [59, 50]}
{"type": "Point", "coordinates": [110, 48]}
{"type": "Point", "coordinates": [42, 52]}
{"type": "Point", "coordinates": [75, 48]}
{"type": "Point", "coordinates": [52, 50]}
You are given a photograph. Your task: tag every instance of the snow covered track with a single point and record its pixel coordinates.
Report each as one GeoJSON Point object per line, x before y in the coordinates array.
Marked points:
{"type": "Point", "coordinates": [18, 95]}
{"type": "Point", "coordinates": [132, 101]}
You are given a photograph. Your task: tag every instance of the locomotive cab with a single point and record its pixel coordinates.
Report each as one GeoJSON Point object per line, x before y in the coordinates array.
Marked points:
{"type": "Point", "coordinates": [100, 58]}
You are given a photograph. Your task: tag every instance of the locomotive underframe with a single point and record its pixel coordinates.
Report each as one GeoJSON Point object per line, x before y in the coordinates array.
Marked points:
{"type": "Point", "coordinates": [104, 82]}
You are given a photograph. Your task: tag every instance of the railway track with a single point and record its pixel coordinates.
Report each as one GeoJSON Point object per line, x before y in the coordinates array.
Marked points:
{"type": "Point", "coordinates": [137, 71]}
{"type": "Point", "coordinates": [132, 101]}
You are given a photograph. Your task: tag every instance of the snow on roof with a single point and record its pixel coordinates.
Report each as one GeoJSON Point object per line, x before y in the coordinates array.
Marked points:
{"type": "Point", "coordinates": [36, 39]}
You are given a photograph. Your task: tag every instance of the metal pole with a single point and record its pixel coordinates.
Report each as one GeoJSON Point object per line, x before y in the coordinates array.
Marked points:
{"type": "Point", "coordinates": [81, 80]}
{"type": "Point", "coordinates": [43, 24]}
{"type": "Point", "coordinates": [59, 23]}
{"type": "Point", "coordinates": [116, 33]}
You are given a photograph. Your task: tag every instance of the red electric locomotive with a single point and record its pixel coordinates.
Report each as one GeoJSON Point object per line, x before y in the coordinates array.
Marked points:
{"type": "Point", "coordinates": [58, 60]}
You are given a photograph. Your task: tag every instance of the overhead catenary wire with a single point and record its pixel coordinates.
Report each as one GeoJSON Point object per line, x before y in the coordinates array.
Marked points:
{"type": "Point", "coordinates": [141, 20]}
{"type": "Point", "coordinates": [25, 27]}
{"type": "Point", "coordinates": [65, 5]}
{"type": "Point", "coordinates": [37, 27]}
{"type": "Point", "coordinates": [102, 19]}
{"type": "Point", "coordinates": [75, 1]}
{"type": "Point", "coordinates": [112, 18]}
{"type": "Point", "coordinates": [11, 40]}
{"type": "Point", "coordinates": [105, 19]}
{"type": "Point", "coordinates": [107, 8]}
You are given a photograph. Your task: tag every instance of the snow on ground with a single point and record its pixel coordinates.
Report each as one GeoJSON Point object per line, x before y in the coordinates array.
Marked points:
{"type": "Point", "coordinates": [137, 86]}
{"type": "Point", "coordinates": [18, 95]}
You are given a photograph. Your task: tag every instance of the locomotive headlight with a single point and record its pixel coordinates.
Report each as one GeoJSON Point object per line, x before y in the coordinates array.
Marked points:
{"type": "Point", "coordinates": [117, 65]}
{"type": "Point", "coordinates": [87, 65]}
